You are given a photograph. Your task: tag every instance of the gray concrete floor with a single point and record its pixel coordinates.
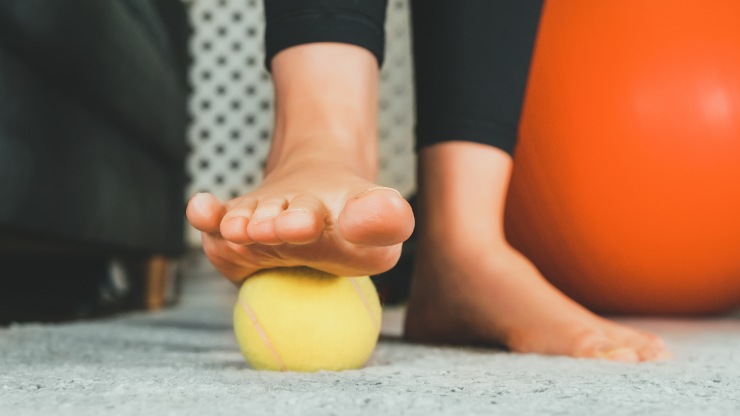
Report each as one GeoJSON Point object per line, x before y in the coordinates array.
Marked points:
{"type": "Point", "coordinates": [184, 361]}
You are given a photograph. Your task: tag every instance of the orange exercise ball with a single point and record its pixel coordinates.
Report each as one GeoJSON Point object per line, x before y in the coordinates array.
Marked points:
{"type": "Point", "coordinates": [626, 184]}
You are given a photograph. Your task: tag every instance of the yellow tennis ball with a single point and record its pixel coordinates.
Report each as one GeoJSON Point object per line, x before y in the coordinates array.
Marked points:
{"type": "Point", "coordinates": [301, 319]}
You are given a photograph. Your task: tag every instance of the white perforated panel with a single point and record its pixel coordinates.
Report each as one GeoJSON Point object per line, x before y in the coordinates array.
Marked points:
{"type": "Point", "coordinates": [231, 102]}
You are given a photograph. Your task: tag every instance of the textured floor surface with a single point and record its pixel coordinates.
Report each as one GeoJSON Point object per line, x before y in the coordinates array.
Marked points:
{"type": "Point", "coordinates": [184, 361]}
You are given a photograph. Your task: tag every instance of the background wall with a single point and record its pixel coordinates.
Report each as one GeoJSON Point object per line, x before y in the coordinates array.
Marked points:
{"type": "Point", "coordinates": [232, 100]}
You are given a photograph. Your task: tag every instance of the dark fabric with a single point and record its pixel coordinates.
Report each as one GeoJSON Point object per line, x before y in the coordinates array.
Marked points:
{"type": "Point", "coordinates": [114, 57]}
{"type": "Point", "coordinates": [472, 63]}
{"type": "Point", "coordinates": [177, 26]}
{"type": "Point", "coordinates": [92, 123]}
{"type": "Point", "coordinates": [471, 57]}
{"type": "Point", "coordinates": [295, 22]}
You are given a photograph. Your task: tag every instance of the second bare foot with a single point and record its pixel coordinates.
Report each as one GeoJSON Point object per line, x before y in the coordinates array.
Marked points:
{"type": "Point", "coordinates": [500, 298]}
{"type": "Point", "coordinates": [470, 286]}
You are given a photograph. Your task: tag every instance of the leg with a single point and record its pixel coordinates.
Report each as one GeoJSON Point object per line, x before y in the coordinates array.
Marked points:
{"type": "Point", "coordinates": [318, 205]}
{"type": "Point", "coordinates": [470, 285]}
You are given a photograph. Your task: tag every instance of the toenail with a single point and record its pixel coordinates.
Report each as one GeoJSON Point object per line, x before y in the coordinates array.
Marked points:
{"type": "Point", "coordinates": [664, 355]}
{"type": "Point", "coordinates": [235, 216]}
{"type": "Point", "coordinates": [199, 200]}
{"type": "Point", "coordinates": [379, 187]}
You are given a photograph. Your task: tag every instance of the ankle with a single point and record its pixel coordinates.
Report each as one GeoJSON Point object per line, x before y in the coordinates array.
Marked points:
{"type": "Point", "coordinates": [445, 224]}
{"type": "Point", "coordinates": [463, 257]}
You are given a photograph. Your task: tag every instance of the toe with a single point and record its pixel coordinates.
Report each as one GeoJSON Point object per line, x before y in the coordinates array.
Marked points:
{"type": "Point", "coordinates": [261, 228]}
{"type": "Point", "coordinates": [204, 212]}
{"type": "Point", "coordinates": [377, 217]}
{"type": "Point", "coordinates": [302, 222]}
{"type": "Point", "coordinates": [594, 344]}
{"type": "Point", "coordinates": [653, 348]}
{"type": "Point", "coordinates": [234, 229]}
{"type": "Point", "coordinates": [649, 347]}
{"type": "Point", "coordinates": [234, 225]}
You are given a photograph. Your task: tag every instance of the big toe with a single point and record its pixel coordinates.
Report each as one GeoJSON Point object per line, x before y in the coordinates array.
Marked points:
{"type": "Point", "coordinates": [377, 217]}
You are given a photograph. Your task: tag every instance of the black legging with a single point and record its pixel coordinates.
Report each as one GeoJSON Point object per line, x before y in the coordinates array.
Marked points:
{"type": "Point", "coordinates": [471, 57]}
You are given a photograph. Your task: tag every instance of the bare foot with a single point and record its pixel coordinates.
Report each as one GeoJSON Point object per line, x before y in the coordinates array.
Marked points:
{"type": "Point", "coordinates": [470, 286]}
{"type": "Point", "coordinates": [316, 214]}
{"type": "Point", "coordinates": [318, 205]}
{"type": "Point", "coordinates": [462, 297]}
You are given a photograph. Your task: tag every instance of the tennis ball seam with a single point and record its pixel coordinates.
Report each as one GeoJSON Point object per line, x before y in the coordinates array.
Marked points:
{"type": "Point", "coordinates": [365, 302]}
{"type": "Point", "coordinates": [262, 334]}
